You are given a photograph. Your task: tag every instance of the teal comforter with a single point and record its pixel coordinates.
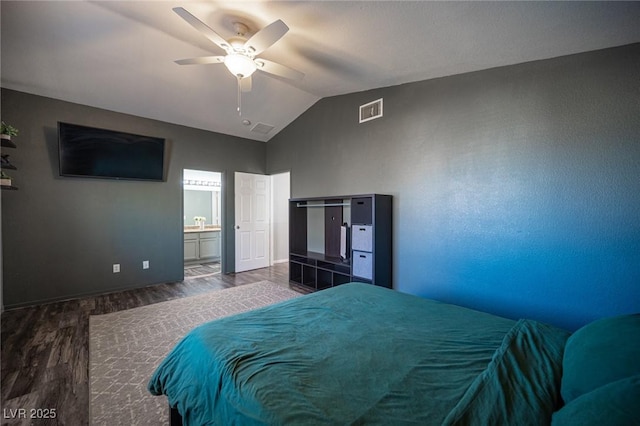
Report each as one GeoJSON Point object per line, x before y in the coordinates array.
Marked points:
{"type": "Point", "coordinates": [360, 354]}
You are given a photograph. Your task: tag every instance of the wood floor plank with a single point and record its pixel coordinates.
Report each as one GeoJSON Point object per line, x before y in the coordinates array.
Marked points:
{"type": "Point", "coordinates": [45, 348]}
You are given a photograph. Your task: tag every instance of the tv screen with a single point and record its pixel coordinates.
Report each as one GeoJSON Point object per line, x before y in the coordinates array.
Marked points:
{"type": "Point", "coordinates": [100, 153]}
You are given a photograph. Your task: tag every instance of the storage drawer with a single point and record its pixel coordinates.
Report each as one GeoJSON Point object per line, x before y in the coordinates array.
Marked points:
{"type": "Point", "coordinates": [363, 264]}
{"type": "Point", "coordinates": [362, 237]}
{"type": "Point", "coordinates": [190, 236]}
{"type": "Point", "coordinates": [209, 235]}
{"type": "Point", "coordinates": [361, 211]}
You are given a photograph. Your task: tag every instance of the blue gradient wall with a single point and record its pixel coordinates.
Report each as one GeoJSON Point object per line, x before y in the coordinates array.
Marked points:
{"type": "Point", "coordinates": [516, 189]}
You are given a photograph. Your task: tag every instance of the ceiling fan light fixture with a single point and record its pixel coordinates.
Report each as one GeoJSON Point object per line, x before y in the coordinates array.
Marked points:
{"type": "Point", "coordinates": [239, 65]}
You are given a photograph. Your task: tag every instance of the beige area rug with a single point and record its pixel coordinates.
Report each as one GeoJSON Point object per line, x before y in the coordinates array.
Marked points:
{"type": "Point", "coordinates": [126, 347]}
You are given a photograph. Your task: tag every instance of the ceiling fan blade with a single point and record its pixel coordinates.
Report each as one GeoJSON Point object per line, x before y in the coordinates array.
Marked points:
{"type": "Point", "coordinates": [278, 69]}
{"type": "Point", "coordinates": [204, 60]}
{"type": "Point", "coordinates": [245, 84]}
{"type": "Point", "coordinates": [203, 28]}
{"type": "Point", "coordinates": [266, 37]}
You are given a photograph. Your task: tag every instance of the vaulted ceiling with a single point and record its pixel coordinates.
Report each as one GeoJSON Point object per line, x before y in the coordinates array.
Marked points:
{"type": "Point", "coordinates": [119, 55]}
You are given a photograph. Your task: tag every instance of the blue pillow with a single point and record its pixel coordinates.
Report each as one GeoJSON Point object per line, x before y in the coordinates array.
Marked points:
{"type": "Point", "coordinates": [599, 353]}
{"type": "Point", "coordinates": [614, 404]}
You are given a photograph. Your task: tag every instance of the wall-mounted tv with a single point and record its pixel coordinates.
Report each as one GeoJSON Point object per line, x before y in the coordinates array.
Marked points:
{"type": "Point", "coordinates": [108, 154]}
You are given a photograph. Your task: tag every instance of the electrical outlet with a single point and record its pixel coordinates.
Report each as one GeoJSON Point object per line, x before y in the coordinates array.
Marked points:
{"type": "Point", "coordinates": [116, 268]}
{"type": "Point", "coordinates": [145, 264]}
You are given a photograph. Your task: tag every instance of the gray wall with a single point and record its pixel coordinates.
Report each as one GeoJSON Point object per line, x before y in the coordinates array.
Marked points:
{"type": "Point", "coordinates": [516, 189]}
{"type": "Point", "coordinates": [62, 235]}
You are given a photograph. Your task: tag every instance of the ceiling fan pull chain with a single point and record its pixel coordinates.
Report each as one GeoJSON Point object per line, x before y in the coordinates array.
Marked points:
{"type": "Point", "coordinates": [239, 99]}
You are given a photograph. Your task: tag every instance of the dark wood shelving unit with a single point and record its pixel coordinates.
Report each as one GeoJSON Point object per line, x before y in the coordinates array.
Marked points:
{"type": "Point", "coordinates": [7, 143]}
{"type": "Point", "coordinates": [368, 242]}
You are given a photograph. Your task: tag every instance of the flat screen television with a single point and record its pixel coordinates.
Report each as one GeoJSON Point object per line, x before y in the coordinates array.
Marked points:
{"type": "Point", "coordinates": [108, 154]}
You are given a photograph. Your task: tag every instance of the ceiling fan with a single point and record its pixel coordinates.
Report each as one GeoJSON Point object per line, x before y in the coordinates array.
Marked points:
{"type": "Point", "coordinates": [241, 53]}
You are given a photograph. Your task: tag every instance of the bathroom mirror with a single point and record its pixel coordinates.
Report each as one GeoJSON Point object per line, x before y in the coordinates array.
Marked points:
{"type": "Point", "coordinates": [198, 203]}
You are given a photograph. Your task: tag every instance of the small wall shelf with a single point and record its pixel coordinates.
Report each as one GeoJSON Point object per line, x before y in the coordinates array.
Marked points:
{"type": "Point", "coordinates": [7, 143]}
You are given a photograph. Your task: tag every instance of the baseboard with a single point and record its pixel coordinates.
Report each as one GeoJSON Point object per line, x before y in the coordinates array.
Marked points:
{"type": "Point", "coordinates": [78, 296]}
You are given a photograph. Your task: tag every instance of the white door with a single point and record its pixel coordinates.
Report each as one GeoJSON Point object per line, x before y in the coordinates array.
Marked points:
{"type": "Point", "coordinates": [252, 203]}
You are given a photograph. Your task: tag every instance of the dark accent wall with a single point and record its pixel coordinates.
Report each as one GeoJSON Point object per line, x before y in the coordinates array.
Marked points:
{"type": "Point", "coordinates": [516, 189]}
{"type": "Point", "coordinates": [60, 236]}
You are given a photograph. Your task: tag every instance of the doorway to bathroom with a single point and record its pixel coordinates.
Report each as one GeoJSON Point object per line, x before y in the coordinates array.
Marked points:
{"type": "Point", "coordinates": [202, 221]}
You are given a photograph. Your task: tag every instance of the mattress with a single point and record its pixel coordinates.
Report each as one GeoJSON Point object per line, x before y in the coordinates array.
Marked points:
{"type": "Point", "coordinates": [361, 354]}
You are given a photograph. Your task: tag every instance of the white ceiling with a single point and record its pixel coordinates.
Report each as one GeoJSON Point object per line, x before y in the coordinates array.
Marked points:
{"type": "Point", "coordinates": [119, 55]}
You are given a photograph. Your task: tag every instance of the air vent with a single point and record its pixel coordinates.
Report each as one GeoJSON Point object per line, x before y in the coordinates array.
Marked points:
{"type": "Point", "coordinates": [262, 128]}
{"type": "Point", "coordinates": [371, 111]}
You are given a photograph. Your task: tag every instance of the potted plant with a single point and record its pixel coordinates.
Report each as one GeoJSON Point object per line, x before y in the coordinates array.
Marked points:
{"type": "Point", "coordinates": [200, 220]}
{"type": "Point", "coordinates": [7, 130]}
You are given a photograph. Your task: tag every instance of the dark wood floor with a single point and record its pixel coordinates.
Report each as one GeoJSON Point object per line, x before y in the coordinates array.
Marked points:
{"type": "Point", "coordinates": [45, 349]}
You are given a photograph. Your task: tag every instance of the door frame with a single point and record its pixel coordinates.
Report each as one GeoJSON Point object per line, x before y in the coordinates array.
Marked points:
{"type": "Point", "coordinates": [274, 234]}
{"type": "Point", "coordinates": [223, 216]}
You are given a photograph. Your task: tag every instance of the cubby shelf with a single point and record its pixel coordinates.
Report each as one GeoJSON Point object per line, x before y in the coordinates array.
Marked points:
{"type": "Point", "coordinates": [319, 270]}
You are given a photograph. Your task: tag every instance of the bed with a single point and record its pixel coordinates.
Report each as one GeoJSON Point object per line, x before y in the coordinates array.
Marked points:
{"type": "Point", "coordinates": [361, 354]}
